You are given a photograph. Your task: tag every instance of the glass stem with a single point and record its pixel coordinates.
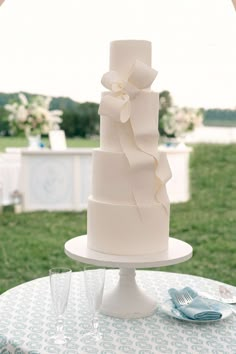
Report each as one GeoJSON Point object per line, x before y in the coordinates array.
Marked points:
{"type": "Point", "coordinates": [59, 325]}
{"type": "Point", "coordinates": [95, 323]}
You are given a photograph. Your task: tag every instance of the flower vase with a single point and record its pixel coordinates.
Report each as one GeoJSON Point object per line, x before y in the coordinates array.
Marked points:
{"type": "Point", "coordinates": [175, 141]}
{"type": "Point", "coordinates": [34, 142]}
{"type": "Point", "coordinates": [170, 142]}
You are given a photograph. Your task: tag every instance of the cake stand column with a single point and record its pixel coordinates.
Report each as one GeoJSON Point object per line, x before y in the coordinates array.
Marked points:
{"type": "Point", "coordinates": [127, 300]}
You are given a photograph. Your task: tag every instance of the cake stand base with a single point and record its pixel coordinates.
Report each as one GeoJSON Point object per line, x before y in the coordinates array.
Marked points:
{"type": "Point", "coordinates": [127, 299]}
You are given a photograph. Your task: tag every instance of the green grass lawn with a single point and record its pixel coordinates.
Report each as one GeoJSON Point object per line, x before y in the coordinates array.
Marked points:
{"type": "Point", "coordinates": [22, 142]}
{"type": "Point", "coordinates": [31, 243]}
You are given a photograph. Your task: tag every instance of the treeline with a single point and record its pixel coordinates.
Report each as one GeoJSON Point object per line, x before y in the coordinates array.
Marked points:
{"type": "Point", "coordinates": [82, 119]}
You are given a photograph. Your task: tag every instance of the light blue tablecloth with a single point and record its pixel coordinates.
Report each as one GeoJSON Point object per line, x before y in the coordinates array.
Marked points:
{"type": "Point", "coordinates": [27, 321]}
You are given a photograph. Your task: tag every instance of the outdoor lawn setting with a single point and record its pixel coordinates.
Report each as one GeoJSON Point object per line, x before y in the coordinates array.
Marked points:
{"type": "Point", "coordinates": [31, 243]}
{"type": "Point", "coordinates": [117, 177]}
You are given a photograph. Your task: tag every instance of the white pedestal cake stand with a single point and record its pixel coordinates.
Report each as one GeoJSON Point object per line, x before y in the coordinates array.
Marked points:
{"type": "Point", "coordinates": [127, 300]}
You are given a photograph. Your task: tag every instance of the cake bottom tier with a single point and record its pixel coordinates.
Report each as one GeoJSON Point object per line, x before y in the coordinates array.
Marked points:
{"type": "Point", "coordinates": [126, 230]}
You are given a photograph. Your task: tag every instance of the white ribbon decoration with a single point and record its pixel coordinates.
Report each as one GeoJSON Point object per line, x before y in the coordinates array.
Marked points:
{"type": "Point", "coordinates": [117, 104]}
{"type": "Point", "coordinates": [117, 107]}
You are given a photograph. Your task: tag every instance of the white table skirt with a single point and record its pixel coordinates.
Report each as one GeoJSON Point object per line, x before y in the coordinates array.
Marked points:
{"type": "Point", "coordinates": [9, 177]}
{"type": "Point", "coordinates": [61, 180]}
{"type": "Point", "coordinates": [27, 321]}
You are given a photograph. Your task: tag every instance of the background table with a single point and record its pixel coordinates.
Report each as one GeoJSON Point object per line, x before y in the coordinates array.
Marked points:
{"type": "Point", "coordinates": [178, 187]}
{"type": "Point", "coordinates": [55, 180]}
{"type": "Point", "coordinates": [27, 321]}
{"type": "Point", "coordinates": [61, 179]}
{"type": "Point", "coordinates": [9, 176]}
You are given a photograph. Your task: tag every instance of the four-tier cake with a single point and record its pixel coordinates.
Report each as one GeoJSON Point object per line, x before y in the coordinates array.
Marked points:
{"type": "Point", "coordinates": [129, 210]}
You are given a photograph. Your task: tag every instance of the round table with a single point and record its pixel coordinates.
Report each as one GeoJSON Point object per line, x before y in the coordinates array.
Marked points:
{"type": "Point", "coordinates": [27, 321]}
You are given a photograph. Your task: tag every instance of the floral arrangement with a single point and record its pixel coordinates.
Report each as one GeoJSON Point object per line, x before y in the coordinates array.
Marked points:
{"type": "Point", "coordinates": [177, 121]}
{"type": "Point", "coordinates": [33, 117]}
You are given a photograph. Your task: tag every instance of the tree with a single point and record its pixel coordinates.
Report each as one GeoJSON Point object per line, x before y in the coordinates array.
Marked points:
{"type": "Point", "coordinates": [166, 102]}
{"type": "Point", "coordinates": [4, 124]}
{"type": "Point", "coordinates": [82, 120]}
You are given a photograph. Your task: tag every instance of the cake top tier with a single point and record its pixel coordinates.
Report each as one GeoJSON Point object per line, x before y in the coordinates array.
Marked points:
{"type": "Point", "coordinates": [124, 53]}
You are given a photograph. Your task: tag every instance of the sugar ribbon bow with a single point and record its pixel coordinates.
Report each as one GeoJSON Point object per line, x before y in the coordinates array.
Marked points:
{"type": "Point", "coordinates": [116, 104]}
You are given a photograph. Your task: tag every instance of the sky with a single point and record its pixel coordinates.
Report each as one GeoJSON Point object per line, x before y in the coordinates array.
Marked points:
{"type": "Point", "coordinates": [61, 47]}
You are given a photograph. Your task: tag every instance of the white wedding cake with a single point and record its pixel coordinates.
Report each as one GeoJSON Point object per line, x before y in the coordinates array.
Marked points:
{"type": "Point", "coordinates": [129, 210]}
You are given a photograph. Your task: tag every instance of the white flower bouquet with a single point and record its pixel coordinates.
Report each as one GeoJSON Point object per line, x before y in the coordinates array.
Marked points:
{"type": "Point", "coordinates": [177, 121]}
{"type": "Point", "coordinates": [33, 117]}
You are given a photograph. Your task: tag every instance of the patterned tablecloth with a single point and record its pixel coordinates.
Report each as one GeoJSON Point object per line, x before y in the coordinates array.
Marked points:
{"type": "Point", "coordinates": [27, 321]}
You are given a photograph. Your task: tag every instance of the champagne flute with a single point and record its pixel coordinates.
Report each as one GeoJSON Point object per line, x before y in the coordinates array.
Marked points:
{"type": "Point", "coordinates": [94, 285]}
{"type": "Point", "coordinates": [60, 286]}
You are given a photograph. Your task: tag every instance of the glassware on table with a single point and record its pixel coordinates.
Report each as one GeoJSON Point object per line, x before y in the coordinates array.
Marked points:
{"type": "Point", "coordinates": [60, 279]}
{"type": "Point", "coordinates": [94, 284]}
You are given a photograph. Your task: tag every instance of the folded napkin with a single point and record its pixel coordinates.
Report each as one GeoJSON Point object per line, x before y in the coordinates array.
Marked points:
{"type": "Point", "coordinates": [199, 309]}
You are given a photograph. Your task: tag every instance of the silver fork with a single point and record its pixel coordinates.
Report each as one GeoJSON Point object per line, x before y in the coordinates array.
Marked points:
{"type": "Point", "coordinates": [188, 296]}
{"type": "Point", "coordinates": [184, 298]}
